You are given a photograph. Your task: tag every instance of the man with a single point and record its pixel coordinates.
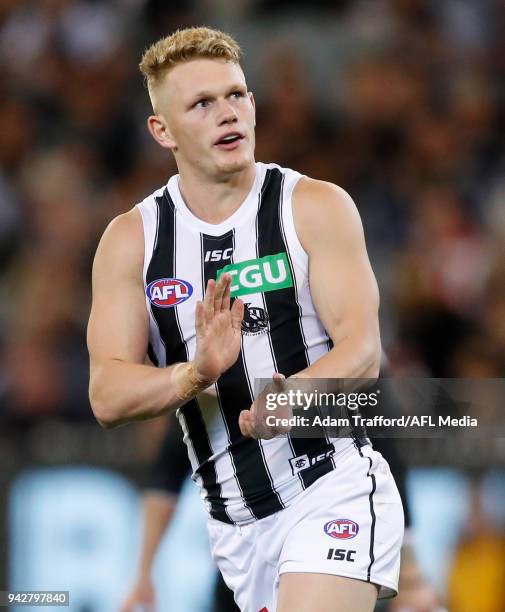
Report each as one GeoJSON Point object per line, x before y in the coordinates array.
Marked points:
{"type": "Point", "coordinates": [159, 501]}
{"type": "Point", "coordinates": [295, 524]}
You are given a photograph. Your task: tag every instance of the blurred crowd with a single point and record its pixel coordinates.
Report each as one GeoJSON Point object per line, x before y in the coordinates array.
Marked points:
{"type": "Point", "coordinates": [401, 102]}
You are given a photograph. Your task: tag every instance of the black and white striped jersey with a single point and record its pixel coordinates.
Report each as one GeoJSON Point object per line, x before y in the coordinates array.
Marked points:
{"type": "Point", "coordinates": [241, 479]}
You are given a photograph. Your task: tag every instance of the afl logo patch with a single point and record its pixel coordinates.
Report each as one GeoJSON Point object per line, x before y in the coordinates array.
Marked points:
{"type": "Point", "coordinates": [168, 292]}
{"type": "Point", "coordinates": [341, 529]}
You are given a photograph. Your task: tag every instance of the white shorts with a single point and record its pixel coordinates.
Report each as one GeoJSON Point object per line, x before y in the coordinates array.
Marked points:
{"type": "Point", "coordinates": [348, 523]}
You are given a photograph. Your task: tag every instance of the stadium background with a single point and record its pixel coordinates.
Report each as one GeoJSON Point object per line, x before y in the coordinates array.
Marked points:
{"type": "Point", "coordinates": [401, 102]}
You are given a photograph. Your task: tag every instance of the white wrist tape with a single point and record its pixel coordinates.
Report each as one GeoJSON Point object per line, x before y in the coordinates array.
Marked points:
{"type": "Point", "coordinates": [186, 382]}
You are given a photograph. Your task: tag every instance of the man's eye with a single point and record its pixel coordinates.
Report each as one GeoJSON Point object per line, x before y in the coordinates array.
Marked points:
{"type": "Point", "coordinates": [201, 103]}
{"type": "Point", "coordinates": [238, 94]}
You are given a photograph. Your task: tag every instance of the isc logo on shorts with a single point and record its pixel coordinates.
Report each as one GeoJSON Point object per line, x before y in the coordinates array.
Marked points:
{"type": "Point", "coordinates": [168, 292]}
{"type": "Point", "coordinates": [341, 529]}
{"type": "Point", "coordinates": [302, 462]}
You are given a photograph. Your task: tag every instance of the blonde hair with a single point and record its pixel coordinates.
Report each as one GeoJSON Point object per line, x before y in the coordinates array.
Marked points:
{"type": "Point", "coordinates": [183, 46]}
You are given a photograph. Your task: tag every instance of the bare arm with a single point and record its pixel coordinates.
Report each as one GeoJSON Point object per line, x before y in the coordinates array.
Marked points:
{"type": "Point", "coordinates": [342, 283]}
{"type": "Point", "coordinates": [122, 388]}
{"type": "Point", "coordinates": [158, 508]}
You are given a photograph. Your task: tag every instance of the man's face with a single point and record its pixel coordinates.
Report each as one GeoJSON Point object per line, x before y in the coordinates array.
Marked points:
{"type": "Point", "coordinates": [209, 114]}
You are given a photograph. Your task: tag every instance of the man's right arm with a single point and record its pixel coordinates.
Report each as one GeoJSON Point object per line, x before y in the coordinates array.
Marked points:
{"type": "Point", "coordinates": [122, 388]}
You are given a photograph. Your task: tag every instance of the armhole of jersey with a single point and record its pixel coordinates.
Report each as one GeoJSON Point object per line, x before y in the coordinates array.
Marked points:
{"type": "Point", "coordinates": [149, 214]}
{"type": "Point", "coordinates": [297, 252]}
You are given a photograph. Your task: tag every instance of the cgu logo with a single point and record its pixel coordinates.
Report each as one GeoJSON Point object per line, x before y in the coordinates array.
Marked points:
{"type": "Point", "coordinates": [168, 292]}
{"type": "Point", "coordinates": [267, 273]}
{"type": "Point", "coordinates": [341, 529]}
{"type": "Point", "coordinates": [218, 254]}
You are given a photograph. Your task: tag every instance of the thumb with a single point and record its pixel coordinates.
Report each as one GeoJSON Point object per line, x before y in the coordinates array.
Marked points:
{"type": "Point", "coordinates": [278, 380]}
{"type": "Point", "coordinates": [246, 423]}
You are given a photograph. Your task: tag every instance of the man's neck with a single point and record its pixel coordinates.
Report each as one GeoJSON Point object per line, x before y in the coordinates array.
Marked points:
{"type": "Point", "coordinates": [214, 201]}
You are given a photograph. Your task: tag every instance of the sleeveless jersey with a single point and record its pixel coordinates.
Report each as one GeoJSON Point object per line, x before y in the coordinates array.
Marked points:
{"type": "Point", "coordinates": [241, 479]}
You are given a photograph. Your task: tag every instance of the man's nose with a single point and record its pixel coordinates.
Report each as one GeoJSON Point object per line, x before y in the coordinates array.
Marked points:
{"type": "Point", "coordinates": [226, 113]}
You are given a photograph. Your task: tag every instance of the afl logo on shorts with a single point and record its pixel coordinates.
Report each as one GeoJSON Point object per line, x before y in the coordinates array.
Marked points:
{"type": "Point", "coordinates": [168, 292]}
{"type": "Point", "coordinates": [342, 529]}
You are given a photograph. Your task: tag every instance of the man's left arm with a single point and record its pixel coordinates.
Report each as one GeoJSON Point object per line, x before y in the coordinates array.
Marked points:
{"type": "Point", "coordinates": [342, 283]}
{"type": "Point", "coordinates": [344, 292]}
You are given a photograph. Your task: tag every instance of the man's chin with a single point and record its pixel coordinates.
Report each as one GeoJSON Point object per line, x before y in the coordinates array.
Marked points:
{"type": "Point", "coordinates": [233, 166]}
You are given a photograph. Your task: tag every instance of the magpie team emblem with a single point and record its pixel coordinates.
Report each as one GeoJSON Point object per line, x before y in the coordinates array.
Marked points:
{"type": "Point", "coordinates": [255, 320]}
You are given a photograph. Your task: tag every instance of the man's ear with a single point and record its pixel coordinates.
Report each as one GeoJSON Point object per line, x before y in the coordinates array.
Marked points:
{"type": "Point", "coordinates": [253, 102]}
{"type": "Point", "coordinates": [158, 128]}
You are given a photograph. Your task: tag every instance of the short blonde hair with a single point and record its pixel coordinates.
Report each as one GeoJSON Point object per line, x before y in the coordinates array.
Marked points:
{"type": "Point", "coordinates": [183, 46]}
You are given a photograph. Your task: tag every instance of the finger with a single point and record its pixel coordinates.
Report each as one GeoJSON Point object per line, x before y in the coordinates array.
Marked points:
{"type": "Point", "coordinates": [279, 381]}
{"type": "Point", "coordinates": [227, 294]}
{"type": "Point", "coordinates": [257, 426]}
{"type": "Point", "coordinates": [245, 422]}
{"type": "Point", "coordinates": [208, 301]}
{"type": "Point", "coordinates": [220, 289]}
{"type": "Point", "coordinates": [248, 423]}
{"type": "Point", "coordinates": [237, 314]}
{"type": "Point", "coordinates": [200, 318]}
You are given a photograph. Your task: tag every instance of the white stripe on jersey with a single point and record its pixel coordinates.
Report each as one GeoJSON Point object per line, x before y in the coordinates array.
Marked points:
{"type": "Point", "coordinates": [149, 212]}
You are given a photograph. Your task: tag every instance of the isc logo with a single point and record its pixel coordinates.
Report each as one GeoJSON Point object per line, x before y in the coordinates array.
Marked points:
{"type": "Point", "coordinates": [168, 292]}
{"type": "Point", "coordinates": [341, 529]}
{"type": "Point", "coordinates": [218, 255]}
{"type": "Point", "coordinates": [302, 462]}
{"type": "Point", "coordinates": [340, 554]}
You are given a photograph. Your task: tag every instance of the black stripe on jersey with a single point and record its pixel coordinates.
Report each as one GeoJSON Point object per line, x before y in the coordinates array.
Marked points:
{"type": "Point", "coordinates": [163, 265]}
{"type": "Point", "coordinates": [260, 198]}
{"type": "Point", "coordinates": [286, 332]}
{"type": "Point", "coordinates": [209, 244]}
{"type": "Point", "coordinates": [235, 394]}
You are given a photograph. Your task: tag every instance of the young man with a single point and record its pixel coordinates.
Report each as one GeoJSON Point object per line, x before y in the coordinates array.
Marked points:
{"type": "Point", "coordinates": [295, 525]}
{"type": "Point", "coordinates": [159, 501]}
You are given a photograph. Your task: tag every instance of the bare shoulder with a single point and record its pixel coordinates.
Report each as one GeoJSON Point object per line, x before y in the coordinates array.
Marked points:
{"type": "Point", "coordinates": [322, 209]}
{"type": "Point", "coordinates": [122, 245]}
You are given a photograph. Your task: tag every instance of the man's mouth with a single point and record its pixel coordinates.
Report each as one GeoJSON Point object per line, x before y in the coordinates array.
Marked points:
{"type": "Point", "coordinates": [229, 141]}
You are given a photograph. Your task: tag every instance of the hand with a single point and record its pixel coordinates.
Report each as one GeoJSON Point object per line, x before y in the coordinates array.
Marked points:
{"type": "Point", "coordinates": [142, 595]}
{"type": "Point", "coordinates": [415, 594]}
{"type": "Point", "coordinates": [218, 330]}
{"type": "Point", "coordinates": [252, 422]}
